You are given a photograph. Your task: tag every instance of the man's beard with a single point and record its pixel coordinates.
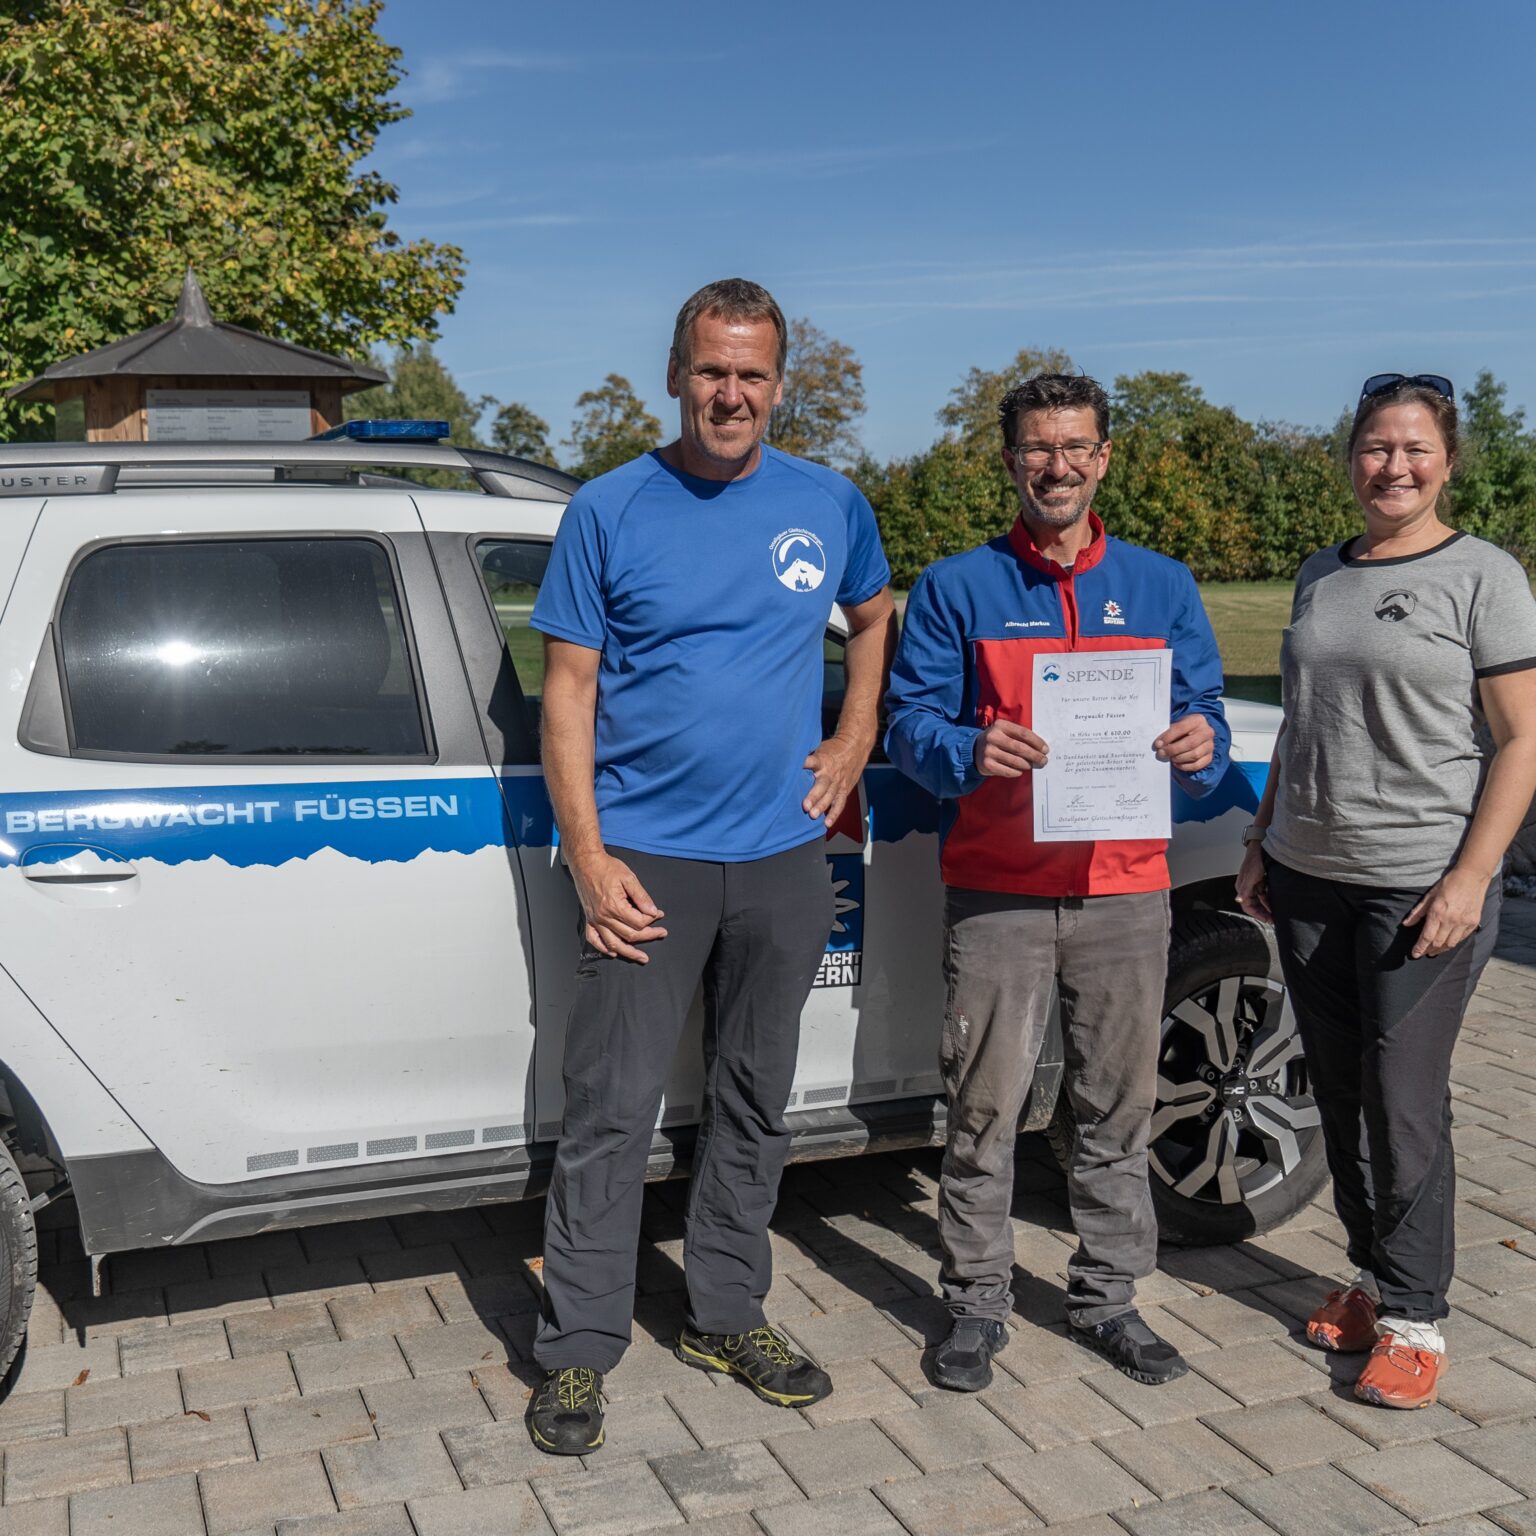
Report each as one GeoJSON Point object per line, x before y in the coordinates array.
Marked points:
{"type": "Point", "coordinates": [1063, 513]}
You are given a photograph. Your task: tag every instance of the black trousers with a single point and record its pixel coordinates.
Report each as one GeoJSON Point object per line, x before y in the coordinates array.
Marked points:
{"type": "Point", "coordinates": [754, 933]}
{"type": "Point", "coordinates": [1378, 1028]}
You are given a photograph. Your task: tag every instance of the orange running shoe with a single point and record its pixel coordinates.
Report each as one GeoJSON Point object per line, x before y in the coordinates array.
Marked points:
{"type": "Point", "coordinates": [1399, 1376]}
{"type": "Point", "coordinates": [1345, 1323]}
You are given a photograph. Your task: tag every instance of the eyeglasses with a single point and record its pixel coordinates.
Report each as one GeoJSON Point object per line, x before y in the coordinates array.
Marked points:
{"type": "Point", "coordinates": [1038, 455]}
{"type": "Point", "coordinates": [1385, 383]}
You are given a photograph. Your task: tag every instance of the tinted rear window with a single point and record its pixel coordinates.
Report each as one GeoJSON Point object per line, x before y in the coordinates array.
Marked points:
{"type": "Point", "coordinates": [260, 647]}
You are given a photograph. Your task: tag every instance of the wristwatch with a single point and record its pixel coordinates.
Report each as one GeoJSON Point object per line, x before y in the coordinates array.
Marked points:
{"type": "Point", "coordinates": [1253, 833]}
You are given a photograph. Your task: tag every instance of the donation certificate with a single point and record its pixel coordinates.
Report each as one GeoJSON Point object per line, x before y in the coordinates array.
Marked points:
{"type": "Point", "coordinates": [1099, 713]}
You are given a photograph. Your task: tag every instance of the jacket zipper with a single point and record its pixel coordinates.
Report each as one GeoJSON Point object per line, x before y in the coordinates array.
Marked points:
{"type": "Point", "coordinates": [1069, 613]}
{"type": "Point", "coordinates": [1069, 610]}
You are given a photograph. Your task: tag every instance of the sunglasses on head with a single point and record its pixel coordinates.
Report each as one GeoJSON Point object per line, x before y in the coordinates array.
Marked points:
{"type": "Point", "coordinates": [1385, 383]}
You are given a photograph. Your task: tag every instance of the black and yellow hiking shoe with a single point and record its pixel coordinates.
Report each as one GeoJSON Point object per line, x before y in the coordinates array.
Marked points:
{"type": "Point", "coordinates": [763, 1359]}
{"type": "Point", "coordinates": [566, 1415]}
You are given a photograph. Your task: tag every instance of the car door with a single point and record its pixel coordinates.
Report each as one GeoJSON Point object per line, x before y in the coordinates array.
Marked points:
{"type": "Point", "coordinates": [869, 1028]}
{"type": "Point", "coordinates": [254, 866]}
{"type": "Point", "coordinates": [491, 569]}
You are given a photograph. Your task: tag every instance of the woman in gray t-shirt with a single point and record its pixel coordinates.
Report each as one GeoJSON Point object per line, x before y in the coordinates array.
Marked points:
{"type": "Point", "coordinates": [1405, 764]}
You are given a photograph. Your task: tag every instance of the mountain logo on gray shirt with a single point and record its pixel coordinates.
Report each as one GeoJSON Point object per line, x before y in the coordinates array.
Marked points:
{"type": "Point", "coordinates": [1393, 607]}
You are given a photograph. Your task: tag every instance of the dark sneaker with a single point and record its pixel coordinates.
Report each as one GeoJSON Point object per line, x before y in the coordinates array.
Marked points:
{"type": "Point", "coordinates": [963, 1362]}
{"type": "Point", "coordinates": [566, 1415]}
{"type": "Point", "coordinates": [763, 1359]}
{"type": "Point", "coordinates": [1130, 1346]}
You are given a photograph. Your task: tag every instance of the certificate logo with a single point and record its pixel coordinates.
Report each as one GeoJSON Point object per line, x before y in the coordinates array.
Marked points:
{"type": "Point", "coordinates": [1394, 607]}
{"type": "Point", "coordinates": [1113, 613]}
{"type": "Point", "coordinates": [1050, 675]}
{"type": "Point", "coordinates": [799, 561]}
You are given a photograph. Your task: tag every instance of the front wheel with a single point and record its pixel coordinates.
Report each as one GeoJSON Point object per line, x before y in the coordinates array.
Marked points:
{"type": "Point", "coordinates": [18, 1259]}
{"type": "Point", "coordinates": [1236, 1145]}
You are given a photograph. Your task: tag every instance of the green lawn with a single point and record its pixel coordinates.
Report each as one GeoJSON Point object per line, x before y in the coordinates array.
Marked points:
{"type": "Point", "coordinates": [1248, 617]}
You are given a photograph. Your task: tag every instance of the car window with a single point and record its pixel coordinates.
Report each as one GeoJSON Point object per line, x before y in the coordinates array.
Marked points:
{"type": "Point", "coordinates": [513, 569]}
{"type": "Point", "coordinates": [239, 647]}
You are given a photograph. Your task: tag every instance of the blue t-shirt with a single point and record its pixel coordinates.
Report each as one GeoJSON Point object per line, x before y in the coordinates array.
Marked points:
{"type": "Point", "coordinates": [708, 600]}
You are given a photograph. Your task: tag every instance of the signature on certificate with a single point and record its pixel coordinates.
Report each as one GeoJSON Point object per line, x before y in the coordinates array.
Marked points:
{"type": "Point", "coordinates": [1130, 802]}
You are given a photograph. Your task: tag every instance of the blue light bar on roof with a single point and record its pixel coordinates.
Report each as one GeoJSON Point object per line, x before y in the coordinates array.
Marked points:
{"type": "Point", "coordinates": [384, 431]}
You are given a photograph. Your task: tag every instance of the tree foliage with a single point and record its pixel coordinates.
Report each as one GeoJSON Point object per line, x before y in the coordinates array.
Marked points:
{"type": "Point", "coordinates": [611, 427]}
{"type": "Point", "coordinates": [970, 414]}
{"type": "Point", "coordinates": [823, 397]}
{"type": "Point", "coordinates": [518, 430]}
{"type": "Point", "coordinates": [137, 136]}
{"type": "Point", "coordinates": [421, 389]}
{"type": "Point", "coordinates": [1493, 489]}
{"type": "Point", "coordinates": [1235, 500]}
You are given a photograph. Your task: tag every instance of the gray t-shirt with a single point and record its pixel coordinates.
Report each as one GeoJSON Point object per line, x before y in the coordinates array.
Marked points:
{"type": "Point", "coordinates": [1385, 747]}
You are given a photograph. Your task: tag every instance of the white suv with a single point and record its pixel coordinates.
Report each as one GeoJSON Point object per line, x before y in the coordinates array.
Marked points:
{"type": "Point", "coordinates": [284, 934]}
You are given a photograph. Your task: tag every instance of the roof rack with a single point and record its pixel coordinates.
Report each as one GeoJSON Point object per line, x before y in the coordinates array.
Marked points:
{"type": "Point", "coordinates": [497, 474]}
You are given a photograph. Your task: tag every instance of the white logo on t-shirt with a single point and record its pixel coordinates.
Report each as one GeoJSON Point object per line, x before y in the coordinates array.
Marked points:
{"type": "Point", "coordinates": [799, 561]}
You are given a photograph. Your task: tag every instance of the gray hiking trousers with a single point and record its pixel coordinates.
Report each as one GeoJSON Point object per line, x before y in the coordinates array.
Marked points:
{"type": "Point", "coordinates": [755, 933]}
{"type": "Point", "coordinates": [1108, 957]}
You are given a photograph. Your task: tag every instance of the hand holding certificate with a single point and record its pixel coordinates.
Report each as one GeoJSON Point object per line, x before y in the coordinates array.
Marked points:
{"type": "Point", "coordinates": [1100, 712]}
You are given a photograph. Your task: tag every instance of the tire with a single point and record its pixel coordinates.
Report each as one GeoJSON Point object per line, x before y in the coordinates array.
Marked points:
{"type": "Point", "coordinates": [18, 1260]}
{"type": "Point", "coordinates": [1236, 1146]}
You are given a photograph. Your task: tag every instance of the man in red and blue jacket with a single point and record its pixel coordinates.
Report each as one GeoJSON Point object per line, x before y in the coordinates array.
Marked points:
{"type": "Point", "coordinates": [1023, 918]}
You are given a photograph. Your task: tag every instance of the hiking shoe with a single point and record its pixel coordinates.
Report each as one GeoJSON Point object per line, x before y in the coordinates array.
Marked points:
{"type": "Point", "coordinates": [963, 1362]}
{"type": "Point", "coordinates": [1399, 1376]}
{"type": "Point", "coordinates": [1345, 1323]}
{"type": "Point", "coordinates": [763, 1359]}
{"type": "Point", "coordinates": [1132, 1348]}
{"type": "Point", "coordinates": [566, 1415]}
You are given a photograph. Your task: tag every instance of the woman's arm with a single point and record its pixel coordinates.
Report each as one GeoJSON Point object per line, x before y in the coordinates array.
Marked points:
{"type": "Point", "coordinates": [1252, 884]}
{"type": "Point", "coordinates": [1453, 907]}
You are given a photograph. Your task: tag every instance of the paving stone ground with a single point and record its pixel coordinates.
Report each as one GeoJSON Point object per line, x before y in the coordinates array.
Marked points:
{"type": "Point", "coordinates": [371, 1379]}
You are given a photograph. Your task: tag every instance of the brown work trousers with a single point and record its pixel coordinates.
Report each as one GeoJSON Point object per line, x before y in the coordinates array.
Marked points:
{"type": "Point", "coordinates": [1107, 957]}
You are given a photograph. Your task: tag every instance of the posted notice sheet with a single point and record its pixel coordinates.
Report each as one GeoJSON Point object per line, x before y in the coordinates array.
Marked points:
{"type": "Point", "coordinates": [1099, 713]}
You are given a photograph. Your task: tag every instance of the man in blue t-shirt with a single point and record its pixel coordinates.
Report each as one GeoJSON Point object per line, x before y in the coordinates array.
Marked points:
{"type": "Point", "coordinates": [683, 614]}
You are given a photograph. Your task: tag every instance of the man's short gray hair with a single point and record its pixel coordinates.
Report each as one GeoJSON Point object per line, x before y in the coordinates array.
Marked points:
{"type": "Point", "coordinates": [736, 299]}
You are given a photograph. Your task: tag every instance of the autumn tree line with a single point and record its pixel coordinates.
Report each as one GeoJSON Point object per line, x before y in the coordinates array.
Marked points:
{"type": "Point", "coordinates": [137, 138]}
{"type": "Point", "coordinates": [1235, 500]}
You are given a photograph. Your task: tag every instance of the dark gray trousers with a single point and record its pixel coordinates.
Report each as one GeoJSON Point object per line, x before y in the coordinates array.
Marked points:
{"type": "Point", "coordinates": [755, 933]}
{"type": "Point", "coordinates": [1107, 956]}
{"type": "Point", "coordinates": [1378, 1028]}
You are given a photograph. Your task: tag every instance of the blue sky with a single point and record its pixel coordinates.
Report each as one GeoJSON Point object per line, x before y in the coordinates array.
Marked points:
{"type": "Point", "coordinates": [1276, 199]}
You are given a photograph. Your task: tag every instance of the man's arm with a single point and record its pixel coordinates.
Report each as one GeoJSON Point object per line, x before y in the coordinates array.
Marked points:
{"type": "Point", "coordinates": [838, 761]}
{"type": "Point", "coordinates": [618, 912]}
{"type": "Point", "coordinates": [1199, 742]}
{"type": "Point", "coordinates": [925, 738]}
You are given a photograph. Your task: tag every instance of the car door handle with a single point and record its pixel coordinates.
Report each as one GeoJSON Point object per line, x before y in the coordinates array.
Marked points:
{"type": "Point", "coordinates": [80, 872]}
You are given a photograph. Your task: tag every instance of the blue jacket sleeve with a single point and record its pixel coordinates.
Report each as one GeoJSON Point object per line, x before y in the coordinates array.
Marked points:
{"type": "Point", "coordinates": [1197, 682]}
{"type": "Point", "coordinates": [927, 696]}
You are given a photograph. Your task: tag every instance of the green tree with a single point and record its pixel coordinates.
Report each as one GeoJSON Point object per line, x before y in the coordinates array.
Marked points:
{"type": "Point", "coordinates": [823, 397]}
{"type": "Point", "coordinates": [612, 426]}
{"type": "Point", "coordinates": [137, 136]}
{"type": "Point", "coordinates": [517, 430]}
{"type": "Point", "coordinates": [1493, 489]}
{"type": "Point", "coordinates": [1161, 402]}
{"type": "Point", "coordinates": [1304, 502]}
{"type": "Point", "coordinates": [421, 389]}
{"type": "Point", "coordinates": [970, 415]}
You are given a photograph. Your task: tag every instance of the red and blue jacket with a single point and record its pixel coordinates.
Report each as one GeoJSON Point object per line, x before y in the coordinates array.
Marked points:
{"type": "Point", "coordinates": [974, 624]}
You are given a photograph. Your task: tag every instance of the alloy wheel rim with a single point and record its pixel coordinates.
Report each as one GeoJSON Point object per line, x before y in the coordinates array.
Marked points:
{"type": "Point", "coordinates": [1234, 1114]}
